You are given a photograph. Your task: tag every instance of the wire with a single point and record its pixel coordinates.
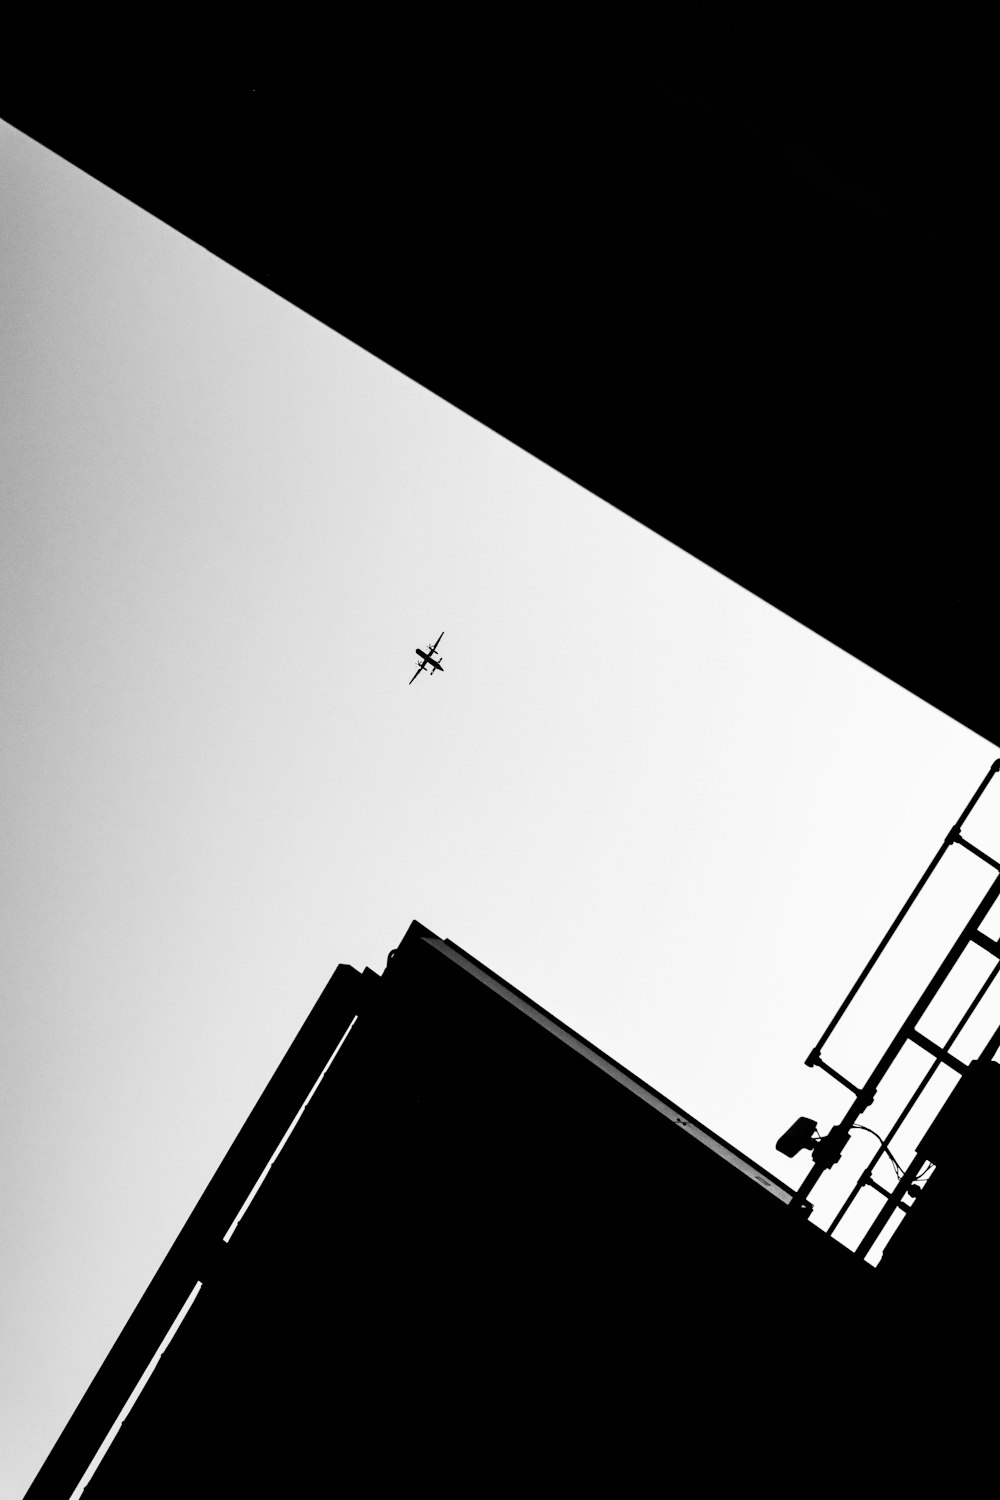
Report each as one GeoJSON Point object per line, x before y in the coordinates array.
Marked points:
{"type": "Point", "coordinates": [885, 1148]}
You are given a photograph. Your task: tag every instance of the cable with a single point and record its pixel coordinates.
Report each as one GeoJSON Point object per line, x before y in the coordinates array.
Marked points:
{"type": "Point", "coordinates": [885, 1148]}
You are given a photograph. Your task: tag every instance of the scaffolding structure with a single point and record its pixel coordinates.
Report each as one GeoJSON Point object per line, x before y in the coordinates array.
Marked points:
{"type": "Point", "coordinates": [826, 1152]}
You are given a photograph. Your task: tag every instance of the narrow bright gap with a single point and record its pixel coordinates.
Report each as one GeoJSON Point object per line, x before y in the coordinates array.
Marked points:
{"type": "Point", "coordinates": [116, 1428]}
{"type": "Point", "coordinates": [281, 1144]}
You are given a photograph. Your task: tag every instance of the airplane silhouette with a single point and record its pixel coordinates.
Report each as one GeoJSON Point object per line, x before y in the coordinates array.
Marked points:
{"type": "Point", "coordinates": [427, 660]}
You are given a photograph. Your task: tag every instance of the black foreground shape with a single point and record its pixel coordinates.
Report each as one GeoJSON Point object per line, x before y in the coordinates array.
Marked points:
{"type": "Point", "coordinates": [490, 1255]}
{"type": "Point", "coordinates": [730, 267]}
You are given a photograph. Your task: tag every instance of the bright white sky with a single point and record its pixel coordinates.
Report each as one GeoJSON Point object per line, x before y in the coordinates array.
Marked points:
{"type": "Point", "coordinates": [671, 815]}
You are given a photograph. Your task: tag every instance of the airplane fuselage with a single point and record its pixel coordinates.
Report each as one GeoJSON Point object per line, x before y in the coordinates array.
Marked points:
{"type": "Point", "coordinates": [425, 659]}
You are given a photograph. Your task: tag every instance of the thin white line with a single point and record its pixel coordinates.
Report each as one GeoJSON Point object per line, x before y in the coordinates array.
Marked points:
{"type": "Point", "coordinates": [281, 1144]}
{"type": "Point", "coordinates": [117, 1424]}
{"type": "Point", "coordinates": [116, 1427]}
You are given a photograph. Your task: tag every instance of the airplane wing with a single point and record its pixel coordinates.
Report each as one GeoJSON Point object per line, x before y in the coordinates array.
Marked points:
{"type": "Point", "coordinates": [422, 668]}
{"type": "Point", "coordinates": [437, 642]}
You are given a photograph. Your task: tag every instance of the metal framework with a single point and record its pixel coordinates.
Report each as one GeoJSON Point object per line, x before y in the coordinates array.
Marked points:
{"type": "Point", "coordinates": [829, 1150]}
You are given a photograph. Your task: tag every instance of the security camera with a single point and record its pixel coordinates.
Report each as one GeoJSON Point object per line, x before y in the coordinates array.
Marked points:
{"type": "Point", "coordinates": [798, 1138]}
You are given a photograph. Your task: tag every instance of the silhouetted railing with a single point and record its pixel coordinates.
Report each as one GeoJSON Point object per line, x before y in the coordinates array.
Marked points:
{"type": "Point", "coordinates": [828, 1151]}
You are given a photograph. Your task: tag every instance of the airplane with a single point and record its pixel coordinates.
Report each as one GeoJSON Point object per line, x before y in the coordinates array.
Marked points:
{"type": "Point", "coordinates": [427, 660]}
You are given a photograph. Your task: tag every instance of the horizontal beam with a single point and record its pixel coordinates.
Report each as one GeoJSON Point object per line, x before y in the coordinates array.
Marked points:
{"type": "Point", "coordinates": [935, 1050]}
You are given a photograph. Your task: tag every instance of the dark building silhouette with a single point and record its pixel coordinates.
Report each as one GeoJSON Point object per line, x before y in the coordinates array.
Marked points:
{"type": "Point", "coordinates": [487, 1251]}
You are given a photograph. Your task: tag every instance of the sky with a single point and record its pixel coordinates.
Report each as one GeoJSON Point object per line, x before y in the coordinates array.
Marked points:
{"type": "Point", "coordinates": [674, 817]}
